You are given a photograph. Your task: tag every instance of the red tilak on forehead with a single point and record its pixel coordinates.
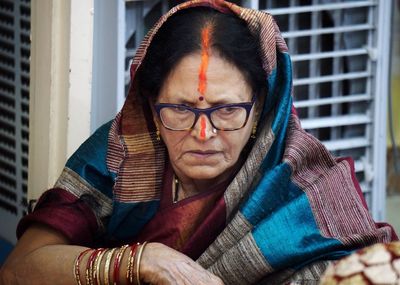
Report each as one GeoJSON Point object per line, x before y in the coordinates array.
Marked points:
{"type": "Point", "coordinates": [205, 47]}
{"type": "Point", "coordinates": [203, 126]}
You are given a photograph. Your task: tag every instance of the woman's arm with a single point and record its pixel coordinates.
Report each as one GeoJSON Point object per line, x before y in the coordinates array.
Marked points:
{"type": "Point", "coordinates": [44, 256]}
{"type": "Point", "coordinates": [41, 256]}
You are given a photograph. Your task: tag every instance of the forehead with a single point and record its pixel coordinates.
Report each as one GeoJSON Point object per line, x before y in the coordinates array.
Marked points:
{"type": "Point", "coordinates": [225, 82]}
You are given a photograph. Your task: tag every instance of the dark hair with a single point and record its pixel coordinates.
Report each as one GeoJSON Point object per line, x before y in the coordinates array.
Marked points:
{"type": "Point", "coordinates": [181, 36]}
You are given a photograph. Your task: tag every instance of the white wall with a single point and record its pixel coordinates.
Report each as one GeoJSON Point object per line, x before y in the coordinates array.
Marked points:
{"type": "Point", "coordinates": [61, 78]}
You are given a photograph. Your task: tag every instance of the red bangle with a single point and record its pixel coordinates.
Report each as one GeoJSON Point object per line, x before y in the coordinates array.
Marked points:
{"type": "Point", "coordinates": [117, 262]}
{"type": "Point", "coordinates": [89, 267]}
{"type": "Point", "coordinates": [77, 266]}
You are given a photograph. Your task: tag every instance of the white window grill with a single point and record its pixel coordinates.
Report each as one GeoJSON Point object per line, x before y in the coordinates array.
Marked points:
{"type": "Point", "coordinates": [14, 112]}
{"type": "Point", "coordinates": [340, 52]}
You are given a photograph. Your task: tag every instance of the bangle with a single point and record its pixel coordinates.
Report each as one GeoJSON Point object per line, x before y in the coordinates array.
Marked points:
{"type": "Point", "coordinates": [129, 270]}
{"type": "Point", "coordinates": [107, 266]}
{"type": "Point", "coordinates": [89, 267]}
{"type": "Point", "coordinates": [97, 266]}
{"type": "Point", "coordinates": [117, 262]}
{"type": "Point", "coordinates": [138, 259]}
{"type": "Point", "coordinates": [76, 266]}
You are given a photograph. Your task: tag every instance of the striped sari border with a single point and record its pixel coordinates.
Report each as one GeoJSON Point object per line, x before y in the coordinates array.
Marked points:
{"type": "Point", "coordinates": [71, 182]}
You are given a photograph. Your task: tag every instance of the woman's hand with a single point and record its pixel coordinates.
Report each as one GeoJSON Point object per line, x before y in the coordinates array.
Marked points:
{"type": "Point", "coordinates": [162, 265]}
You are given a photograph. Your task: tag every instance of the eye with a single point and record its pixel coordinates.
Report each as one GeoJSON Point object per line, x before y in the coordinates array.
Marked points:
{"type": "Point", "coordinates": [180, 109]}
{"type": "Point", "coordinates": [227, 110]}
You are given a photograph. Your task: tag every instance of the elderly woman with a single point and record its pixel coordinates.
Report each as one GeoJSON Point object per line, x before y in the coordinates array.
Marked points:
{"type": "Point", "coordinates": [204, 177]}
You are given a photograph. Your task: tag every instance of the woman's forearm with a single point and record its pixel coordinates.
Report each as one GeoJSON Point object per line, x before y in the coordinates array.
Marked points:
{"type": "Point", "coordinates": [55, 264]}
{"type": "Point", "coordinates": [51, 264]}
{"type": "Point", "coordinates": [43, 256]}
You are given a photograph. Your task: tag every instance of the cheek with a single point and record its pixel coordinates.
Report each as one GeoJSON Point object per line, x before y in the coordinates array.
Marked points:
{"type": "Point", "coordinates": [173, 141]}
{"type": "Point", "coordinates": [234, 143]}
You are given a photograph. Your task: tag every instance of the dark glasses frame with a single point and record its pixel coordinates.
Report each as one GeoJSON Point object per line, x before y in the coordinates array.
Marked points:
{"type": "Point", "coordinates": [207, 111]}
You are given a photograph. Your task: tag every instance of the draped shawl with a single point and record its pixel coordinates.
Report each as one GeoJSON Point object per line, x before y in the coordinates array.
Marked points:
{"type": "Point", "coordinates": [291, 207]}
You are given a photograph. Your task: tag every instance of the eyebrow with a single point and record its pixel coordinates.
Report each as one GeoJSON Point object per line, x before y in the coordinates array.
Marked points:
{"type": "Point", "coordinates": [178, 99]}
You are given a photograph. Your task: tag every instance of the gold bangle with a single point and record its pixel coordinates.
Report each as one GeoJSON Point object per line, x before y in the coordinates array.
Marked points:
{"type": "Point", "coordinates": [117, 263]}
{"type": "Point", "coordinates": [107, 266]}
{"type": "Point", "coordinates": [138, 259]}
{"type": "Point", "coordinates": [89, 267]}
{"type": "Point", "coordinates": [97, 265]}
{"type": "Point", "coordinates": [129, 270]}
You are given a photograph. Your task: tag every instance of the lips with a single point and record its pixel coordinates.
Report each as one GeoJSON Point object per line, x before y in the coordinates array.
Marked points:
{"type": "Point", "coordinates": [203, 153]}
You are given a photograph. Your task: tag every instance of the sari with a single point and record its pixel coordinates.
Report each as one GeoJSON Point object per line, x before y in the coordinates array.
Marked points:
{"type": "Point", "coordinates": [289, 210]}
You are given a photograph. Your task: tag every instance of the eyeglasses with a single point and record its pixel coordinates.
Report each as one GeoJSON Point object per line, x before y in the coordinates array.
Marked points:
{"type": "Point", "coordinates": [227, 117]}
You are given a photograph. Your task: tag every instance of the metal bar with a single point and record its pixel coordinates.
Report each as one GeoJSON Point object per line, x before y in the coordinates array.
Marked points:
{"type": "Point", "coordinates": [340, 144]}
{"type": "Point", "coordinates": [7, 81]}
{"type": "Point", "coordinates": [18, 95]}
{"type": "Point", "coordinates": [139, 23]}
{"type": "Point", "coordinates": [5, 93]}
{"type": "Point", "coordinates": [7, 107]}
{"type": "Point", "coordinates": [327, 122]}
{"type": "Point", "coordinates": [6, 67]}
{"type": "Point", "coordinates": [6, 53]}
{"type": "Point", "coordinates": [364, 187]}
{"type": "Point", "coordinates": [25, 46]}
{"type": "Point", "coordinates": [5, 11]}
{"type": "Point", "coordinates": [332, 100]}
{"type": "Point", "coordinates": [6, 134]}
{"type": "Point", "coordinates": [8, 175]}
{"type": "Point", "coordinates": [6, 26]}
{"type": "Point", "coordinates": [359, 166]}
{"type": "Point", "coordinates": [329, 78]}
{"type": "Point", "coordinates": [25, 100]}
{"type": "Point", "coordinates": [254, 4]}
{"type": "Point", "coordinates": [6, 147]}
{"type": "Point", "coordinates": [25, 32]}
{"type": "Point", "coordinates": [383, 44]}
{"type": "Point", "coordinates": [368, 156]}
{"type": "Point", "coordinates": [6, 186]}
{"type": "Point", "coordinates": [25, 60]}
{"type": "Point", "coordinates": [8, 161]}
{"type": "Point", "coordinates": [5, 119]}
{"type": "Point", "coordinates": [342, 29]}
{"type": "Point", "coordinates": [6, 40]}
{"type": "Point", "coordinates": [314, 67]}
{"type": "Point", "coordinates": [130, 52]}
{"type": "Point", "coordinates": [292, 42]}
{"type": "Point", "coordinates": [25, 74]}
{"type": "Point", "coordinates": [322, 7]}
{"type": "Point", "coordinates": [321, 55]}
{"type": "Point", "coordinates": [26, 5]}
{"type": "Point", "coordinates": [337, 67]}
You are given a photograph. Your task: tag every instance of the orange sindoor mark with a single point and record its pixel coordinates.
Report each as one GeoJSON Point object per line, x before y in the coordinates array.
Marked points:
{"type": "Point", "coordinates": [205, 46]}
{"type": "Point", "coordinates": [203, 126]}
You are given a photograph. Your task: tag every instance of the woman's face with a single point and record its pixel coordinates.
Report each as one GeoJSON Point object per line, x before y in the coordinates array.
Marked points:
{"type": "Point", "coordinates": [200, 153]}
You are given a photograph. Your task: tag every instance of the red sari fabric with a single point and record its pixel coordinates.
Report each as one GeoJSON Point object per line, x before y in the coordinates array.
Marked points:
{"type": "Point", "coordinates": [189, 225]}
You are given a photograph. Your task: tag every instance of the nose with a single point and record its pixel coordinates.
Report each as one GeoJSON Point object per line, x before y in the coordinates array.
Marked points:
{"type": "Point", "coordinates": [203, 130]}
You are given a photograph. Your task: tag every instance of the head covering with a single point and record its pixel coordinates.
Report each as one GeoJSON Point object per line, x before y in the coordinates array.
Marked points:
{"type": "Point", "coordinates": [290, 206]}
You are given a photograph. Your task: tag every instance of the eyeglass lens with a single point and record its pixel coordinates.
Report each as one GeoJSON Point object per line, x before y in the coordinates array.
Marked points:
{"type": "Point", "coordinates": [226, 118]}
